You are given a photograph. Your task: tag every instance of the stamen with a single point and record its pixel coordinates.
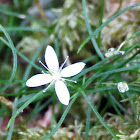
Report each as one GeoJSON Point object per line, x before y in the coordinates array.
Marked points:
{"type": "Point", "coordinates": [48, 86]}
{"type": "Point", "coordinates": [70, 80]}
{"type": "Point", "coordinates": [44, 66]}
{"type": "Point", "coordinates": [63, 63]}
{"type": "Point", "coordinates": [43, 72]}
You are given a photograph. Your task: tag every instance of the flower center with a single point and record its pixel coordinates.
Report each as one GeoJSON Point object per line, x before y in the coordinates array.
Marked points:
{"type": "Point", "coordinates": [56, 76]}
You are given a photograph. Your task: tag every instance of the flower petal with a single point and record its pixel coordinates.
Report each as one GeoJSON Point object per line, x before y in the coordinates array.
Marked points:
{"type": "Point", "coordinates": [72, 69]}
{"type": "Point", "coordinates": [51, 59]}
{"type": "Point", "coordinates": [62, 92]}
{"type": "Point", "coordinates": [39, 80]}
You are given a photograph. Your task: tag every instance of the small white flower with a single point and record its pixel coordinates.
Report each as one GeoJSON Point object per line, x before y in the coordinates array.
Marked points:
{"type": "Point", "coordinates": [122, 87]}
{"type": "Point", "coordinates": [55, 75]}
{"type": "Point", "coordinates": [113, 51]}
{"type": "Point", "coordinates": [110, 52]}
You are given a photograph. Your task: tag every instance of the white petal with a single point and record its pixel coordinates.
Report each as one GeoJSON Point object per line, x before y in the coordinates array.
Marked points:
{"type": "Point", "coordinates": [51, 59]}
{"type": "Point", "coordinates": [62, 92]}
{"type": "Point", "coordinates": [39, 80]}
{"type": "Point", "coordinates": [72, 70]}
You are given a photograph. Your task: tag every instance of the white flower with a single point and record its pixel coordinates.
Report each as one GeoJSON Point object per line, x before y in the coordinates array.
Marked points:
{"type": "Point", "coordinates": [55, 75]}
{"type": "Point", "coordinates": [122, 87]}
{"type": "Point", "coordinates": [110, 52]}
{"type": "Point", "coordinates": [113, 51]}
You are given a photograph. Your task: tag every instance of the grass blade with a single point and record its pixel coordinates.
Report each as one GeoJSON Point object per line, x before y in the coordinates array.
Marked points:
{"type": "Point", "coordinates": [11, 45]}
{"type": "Point", "coordinates": [61, 119]}
{"type": "Point", "coordinates": [104, 24]}
{"type": "Point", "coordinates": [99, 117]}
{"type": "Point", "coordinates": [24, 106]}
{"type": "Point", "coordinates": [12, 124]}
{"type": "Point", "coordinates": [90, 31]}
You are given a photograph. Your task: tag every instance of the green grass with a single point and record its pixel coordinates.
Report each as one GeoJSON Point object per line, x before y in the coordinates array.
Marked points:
{"type": "Point", "coordinates": [98, 79]}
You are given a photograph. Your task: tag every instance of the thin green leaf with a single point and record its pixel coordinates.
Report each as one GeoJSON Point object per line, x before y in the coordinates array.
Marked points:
{"type": "Point", "coordinates": [121, 64]}
{"type": "Point", "coordinates": [24, 106]}
{"type": "Point", "coordinates": [99, 117]}
{"type": "Point", "coordinates": [110, 72]}
{"type": "Point", "coordinates": [105, 23]}
{"type": "Point", "coordinates": [62, 118]}
{"type": "Point", "coordinates": [21, 16]}
{"type": "Point", "coordinates": [11, 45]}
{"type": "Point", "coordinates": [101, 21]}
{"type": "Point", "coordinates": [88, 121]}
{"type": "Point", "coordinates": [90, 31]}
{"type": "Point", "coordinates": [120, 106]}
{"type": "Point", "coordinates": [12, 124]}
{"type": "Point", "coordinates": [34, 112]}
{"type": "Point", "coordinates": [9, 29]}
{"type": "Point", "coordinates": [97, 66]}
{"type": "Point", "coordinates": [21, 55]}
